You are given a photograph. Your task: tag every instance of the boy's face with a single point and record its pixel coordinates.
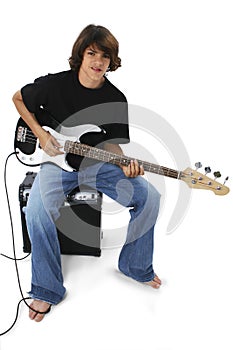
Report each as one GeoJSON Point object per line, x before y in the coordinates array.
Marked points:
{"type": "Point", "coordinates": [94, 65]}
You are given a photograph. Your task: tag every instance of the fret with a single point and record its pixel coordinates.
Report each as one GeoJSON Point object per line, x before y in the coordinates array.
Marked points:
{"type": "Point", "coordinates": [113, 158]}
{"type": "Point", "coordinates": [124, 161]}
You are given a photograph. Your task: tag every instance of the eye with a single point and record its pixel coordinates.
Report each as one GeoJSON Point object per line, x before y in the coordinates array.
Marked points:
{"type": "Point", "coordinates": [106, 56]}
{"type": "Point", "coordinates": [91, 53]}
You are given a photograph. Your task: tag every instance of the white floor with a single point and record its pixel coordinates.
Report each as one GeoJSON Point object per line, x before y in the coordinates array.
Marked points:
{"type": "Point", "coordinates": [104, 310]}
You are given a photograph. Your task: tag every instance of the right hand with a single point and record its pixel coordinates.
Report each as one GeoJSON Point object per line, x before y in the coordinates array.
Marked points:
{"type": "Point", "coordinates": [49, 144]}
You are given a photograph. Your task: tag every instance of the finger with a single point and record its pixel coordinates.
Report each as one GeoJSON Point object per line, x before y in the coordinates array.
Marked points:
{"type": "Point", "coordinates": [136, 168]}
{"type": "Point", "coordinates": [141, 172]}
{"type": "Point", "coordinates": [132, 168]}
{"type": "Point", "coordinates": [56, 143]}
{"type": "Point", "coordinates": [57, 146]}
{"type": "Point", "coordinates": [52, 147]}
{"type": "Point", "coordinates": [52, 150]}
{"type": "Point", "coordinates": [128, 171]}
{"type": "Point", "coordinates": [57, 151]}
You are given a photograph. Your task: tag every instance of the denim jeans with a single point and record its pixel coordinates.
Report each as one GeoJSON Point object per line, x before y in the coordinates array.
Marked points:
{"type": "Point", "coordinates": [47, 195]}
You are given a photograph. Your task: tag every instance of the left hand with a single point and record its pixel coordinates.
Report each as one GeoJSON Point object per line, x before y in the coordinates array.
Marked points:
{"type": "Point", "coordinates": [133, 169]}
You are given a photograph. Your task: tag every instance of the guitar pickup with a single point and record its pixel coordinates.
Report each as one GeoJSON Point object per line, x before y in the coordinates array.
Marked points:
{"type": "Point", "coordinates": [21, 134]}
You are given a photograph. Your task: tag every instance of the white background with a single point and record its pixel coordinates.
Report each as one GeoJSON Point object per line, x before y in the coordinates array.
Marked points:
{"type": "Point", "coordinates": [177, 61]}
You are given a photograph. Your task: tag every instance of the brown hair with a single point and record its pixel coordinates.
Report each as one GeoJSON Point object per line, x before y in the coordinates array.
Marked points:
{"type": "Point", "coordinates": [102, 38]}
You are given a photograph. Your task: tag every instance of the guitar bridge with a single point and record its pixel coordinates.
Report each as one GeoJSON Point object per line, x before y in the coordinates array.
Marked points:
{"type": "Point", "coordinates": [21, 134]}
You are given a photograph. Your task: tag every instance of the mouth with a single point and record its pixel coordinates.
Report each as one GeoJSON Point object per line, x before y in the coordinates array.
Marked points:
{"type": "Point", "coordinates": [97, 70]}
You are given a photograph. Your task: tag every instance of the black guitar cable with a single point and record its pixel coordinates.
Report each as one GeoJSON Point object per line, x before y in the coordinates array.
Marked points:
{"type": "Point", "coordinates": [14, 256]}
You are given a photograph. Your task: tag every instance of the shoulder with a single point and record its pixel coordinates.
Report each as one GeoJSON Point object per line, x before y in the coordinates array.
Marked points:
{"type": "Point", "coordinates": [114, 90]}
{"type": "Point", "coordinates": [54, 76]}
{"type": "Point", "coordinates": [51, 78]}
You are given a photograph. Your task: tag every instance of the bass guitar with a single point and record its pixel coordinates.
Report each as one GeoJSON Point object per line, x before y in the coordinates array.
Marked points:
{"type": "Point", "coordinates": [29, 152]}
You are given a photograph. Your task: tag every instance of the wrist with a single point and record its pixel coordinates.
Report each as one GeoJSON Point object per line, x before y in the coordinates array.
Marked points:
{"type": "Point", "coordinates": [38, 131]}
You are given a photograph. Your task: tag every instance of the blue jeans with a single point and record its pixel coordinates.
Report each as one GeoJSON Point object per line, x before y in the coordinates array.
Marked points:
{"type": "Point", "coordinates": [47, 195]}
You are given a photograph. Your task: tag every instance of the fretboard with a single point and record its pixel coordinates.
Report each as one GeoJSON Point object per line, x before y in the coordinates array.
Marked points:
{"type": "Point", "coordinates": [109, 157]}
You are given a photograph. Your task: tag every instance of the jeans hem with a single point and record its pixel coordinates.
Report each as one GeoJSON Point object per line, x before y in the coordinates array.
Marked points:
{"type": "Point", "coordinates": [45, 295]}
{"type": "Point", "coordinates": [147, 279]}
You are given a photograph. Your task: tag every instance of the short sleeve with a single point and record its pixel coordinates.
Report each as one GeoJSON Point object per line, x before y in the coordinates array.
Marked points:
{"type": "Point", "coordinates": [117, 126]}
{"type": "Point", "coordinates": [35, 94]}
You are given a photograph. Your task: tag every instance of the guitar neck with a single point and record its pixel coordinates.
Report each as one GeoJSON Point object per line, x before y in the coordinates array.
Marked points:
{"type": "Point", "coordinates": [109, 157]}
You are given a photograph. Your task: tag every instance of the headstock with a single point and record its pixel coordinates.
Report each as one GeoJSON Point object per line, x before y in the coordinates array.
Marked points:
{"type": "Point", "coordinates": [195, 179]}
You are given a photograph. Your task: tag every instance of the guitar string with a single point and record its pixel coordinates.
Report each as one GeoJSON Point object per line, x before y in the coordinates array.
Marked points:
{"type": "Point", "coordinates": [119, 158]}
{"type": "Point", "coordinates": [31, 141]}
{"type": "Point", "coordinates": [159, 169]}
{"type": "Point", "coordinates": [31, 138]}
{"type": "Point", "coordinates": [111, 157]}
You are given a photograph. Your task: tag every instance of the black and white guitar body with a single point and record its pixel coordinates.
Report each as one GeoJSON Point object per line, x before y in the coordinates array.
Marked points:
{"type": "Point", "coordinates": [29, 152]}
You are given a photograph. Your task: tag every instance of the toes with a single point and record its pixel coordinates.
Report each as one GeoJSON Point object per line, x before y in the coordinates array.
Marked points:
{"type": "Point", "coordinates": [32, 314]}
{"type": "Point", "coordinates": [155, 283]}
{"type": "Point", "coordinates": [39, 317]}
{"type": "Point", "coordinates": [41, 306]}
{"type": "Point", "coordinates": [157, 280]}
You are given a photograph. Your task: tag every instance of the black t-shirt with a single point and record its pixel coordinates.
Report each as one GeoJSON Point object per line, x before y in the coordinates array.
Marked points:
{"type": "Point", "coordinates": [63, 98]}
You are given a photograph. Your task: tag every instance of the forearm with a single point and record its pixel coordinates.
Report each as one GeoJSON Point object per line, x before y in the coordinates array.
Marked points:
{"type": "Point", "coordinates": [47, 142]}
{"type": "Point", "coordinates": [27, 116]}
{"type": "Point", "coordinates": [114, 148]}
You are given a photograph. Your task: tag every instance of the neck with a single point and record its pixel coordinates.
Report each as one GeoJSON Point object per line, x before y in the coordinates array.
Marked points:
{"type": "Point", "coordinates": [89, 83]}
{"type": "Point", "coordinates": [119, 159]}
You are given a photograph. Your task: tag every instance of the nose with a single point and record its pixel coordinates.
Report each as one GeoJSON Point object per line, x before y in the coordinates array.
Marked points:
{"type": "Point", "coordinates": [99, 60]}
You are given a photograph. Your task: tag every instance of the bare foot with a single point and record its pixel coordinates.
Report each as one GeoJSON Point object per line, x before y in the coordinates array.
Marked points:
{"type": "Point", "coordinates": [40, 306]}
{"type": "Point", "coordinates": [155, 283]}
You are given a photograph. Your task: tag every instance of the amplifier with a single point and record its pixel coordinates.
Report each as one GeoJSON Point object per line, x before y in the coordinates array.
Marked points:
{"type": "Point", "coordinates": [79, 225]}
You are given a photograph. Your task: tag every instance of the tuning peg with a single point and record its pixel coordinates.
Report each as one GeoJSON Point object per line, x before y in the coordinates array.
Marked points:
{"type": "Point", "coordinates": [207, 170]}
{"type": "Point", "coordinates": [217, 174]}
{"type": "Point", "coordinates": [198, 165]}
{"type": "Point", "coordinates": [227, 178]}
